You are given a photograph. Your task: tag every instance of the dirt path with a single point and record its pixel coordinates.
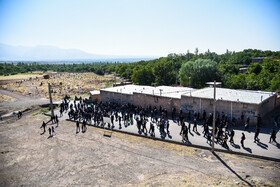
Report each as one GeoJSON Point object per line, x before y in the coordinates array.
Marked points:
{"type": "Point", "coordinates": [66, 159]}
{"type": "Point", "coordinates": [20, 103]}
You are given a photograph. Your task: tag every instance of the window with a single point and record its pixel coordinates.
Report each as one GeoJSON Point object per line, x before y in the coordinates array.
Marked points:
{"type": "Point", "coordinates": [245, 106]}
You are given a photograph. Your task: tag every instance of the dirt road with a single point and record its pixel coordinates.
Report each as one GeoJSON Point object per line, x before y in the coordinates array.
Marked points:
{"type": "Point", "coordinates": [30, 159]}
{"type": "Point", "coordinates": [20, 102]}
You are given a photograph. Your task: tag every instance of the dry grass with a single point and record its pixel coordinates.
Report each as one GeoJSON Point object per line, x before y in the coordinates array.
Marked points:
{"type": "Point", "coordinates": [5, 98]}
{"type": "Point", "coordinates": [21, 76]}
{"type": "Point", "coordinates": [64, 84]}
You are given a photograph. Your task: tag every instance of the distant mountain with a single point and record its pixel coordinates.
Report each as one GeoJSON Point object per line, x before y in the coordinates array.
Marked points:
{"type": "Point", "coordinates": [50, 53]}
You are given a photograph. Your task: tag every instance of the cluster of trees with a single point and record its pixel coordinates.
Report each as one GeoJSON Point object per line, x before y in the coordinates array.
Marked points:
{"type": "Point", "coordinates": [190, 69]}
{"type": "Point", "coordinates": [20, 67]}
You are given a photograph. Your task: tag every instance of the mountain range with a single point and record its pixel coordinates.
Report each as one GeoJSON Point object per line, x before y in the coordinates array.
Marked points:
{"type": "Point", "coordinates": [51, 53]}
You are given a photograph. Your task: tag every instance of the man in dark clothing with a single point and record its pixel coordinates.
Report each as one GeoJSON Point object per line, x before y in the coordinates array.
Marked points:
{"type": "Point", "coordinates": [144, 126]}
{"type": "Point", "coordinates": [242, 139]}
{"type": "Point", "coordinates": [231, 136]}
{"type": "Point", "coordinates": [195, 125]}
{"type": "Point", "coordinates": [206, 130]}
{"type": "Point", "coordinates": [152, 129]}
{"type": "Point", "coordinates": [225, 138]}
{"type": "Point", "coordinates": [273, 136]}
{"type": "Point", "coordinates": [185, 134]}
{"type": "Point", "coordinates": [182, 128]}
{"type": "Point", "coordinates": [257, 134]}
{"type": "Point", "coordinates": [167, 127]}
{"type": "Point", "coordinates": [50, 132]}
{"type": "Point", "coordinates": [120, 119]}
{"type": "Point", "coordinates": [77, 127]}
{"type": "Point", "coordinates": [84, 128]}
{"type": "Point", "coordinates": [112, 120]}
{"type": "Point", "coordinates": [44, 127]}
{"type": "Point", "coordinates": [19, 114]}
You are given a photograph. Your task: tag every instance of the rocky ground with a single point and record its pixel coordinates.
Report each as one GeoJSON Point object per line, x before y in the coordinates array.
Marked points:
{"type": "Point", "coordinates": [28, 158]}
{"type": "Point", "coordinates": [63, 84]}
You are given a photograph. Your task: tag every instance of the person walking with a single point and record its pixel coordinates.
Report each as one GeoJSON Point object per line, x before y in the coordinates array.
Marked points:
{"type": "Point", "coordinates": [120, 120]}
{"type": "Point", "coordinates": [152, 129]}
{"type": "Point", "coordinates": [44, 126]}
{"type": "Point", "coordinates": [206, 130]}
{"type": "Point", "coordinates": [256, 138]}
{"type": "Point", "coordinates": [77, 127]}
{"type": "Point", "coordinates": [242, 139]}
{"type": "Point", "coordinates": [231, 136]}
{"type": "Point", "coordinates": [182, 127]}
{"type": "Point", "coordinates": [53, 130]}
{"type": "Point", "coordinates": [185, 134]}
{"type": "Point", "coordinates": [50, 132]}
{"type": "Point", "coordinates": [225, 138]}
{"type": "Point", "coordinates": [195, 125]}
{"type": "Point", "coordinates": [144, 129]}
{"type": "Point", "coordinates": [167, 127]}
{"type": "Point", "coordinates": [272, 136]}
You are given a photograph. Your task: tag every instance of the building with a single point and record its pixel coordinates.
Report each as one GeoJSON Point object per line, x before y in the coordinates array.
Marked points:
{"type": "Point", "coordinates": [231, 102]}
{"type": "Point", "coordinates": [95, 95]}
{"type": "Point", "coordinates": [258, 59]}
{"type": "Point", "coordinates": [234, 103]}
{"type": "Point", "coordinates": [165, 96]}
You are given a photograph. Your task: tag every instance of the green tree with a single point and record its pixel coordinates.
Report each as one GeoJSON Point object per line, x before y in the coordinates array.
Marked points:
{"type": "Point", "coordinates": [143, 76]}
{"type": "Point", "coordinates": [164, 73]}
{"type": "Point", "coordinates": [255, 68]}
{"type": "Point", "coordinates": [197, 73]}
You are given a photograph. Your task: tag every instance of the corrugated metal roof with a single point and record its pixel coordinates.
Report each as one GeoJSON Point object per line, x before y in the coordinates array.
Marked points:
{"type": "Point", "coordinates": [165, 91]}
{"type": "Point", "coordinates": [244, 96]}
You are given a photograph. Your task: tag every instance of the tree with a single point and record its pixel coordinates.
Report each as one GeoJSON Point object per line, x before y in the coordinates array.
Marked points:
{"type": "Point", "coordinates": [255, 68]}
{"type": "Point", "coordinates": [199, 72]}
{"type": "Point", "coordinates": [143, 76]}
{"type": "Point", "coordinates": [164, 73]}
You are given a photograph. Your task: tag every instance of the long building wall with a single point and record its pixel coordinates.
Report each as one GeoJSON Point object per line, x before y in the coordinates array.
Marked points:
{"type": "Point", "coordinates": [232, 109]}
{"type": "Point", "coordinates": [190, 103]}
{"type": "Point", "coordinates": [144, 100]}
{"type": "Point", "coordinates": [120, 98]}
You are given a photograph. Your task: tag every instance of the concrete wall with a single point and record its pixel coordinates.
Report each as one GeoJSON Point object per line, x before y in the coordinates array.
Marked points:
{"type": "Point", "coordinates": [232, 109]}
{"type": "Point", "coordinates": [267, 105]}
{"type": "Point", "coordinates": [165, 102]}
{"type": "Point", "coordinates": [116, 97]}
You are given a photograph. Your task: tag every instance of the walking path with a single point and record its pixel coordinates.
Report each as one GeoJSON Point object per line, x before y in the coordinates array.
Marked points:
{"type": "Point", "coordinates": [22, 101]}
{"type": "Point", "coordinates": [263, 148]}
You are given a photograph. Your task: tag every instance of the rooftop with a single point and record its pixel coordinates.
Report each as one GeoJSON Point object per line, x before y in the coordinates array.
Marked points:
{"type": "Point", "coordinates": [165, 91]}
{"type": "Point", "coordinates": [244, 96]}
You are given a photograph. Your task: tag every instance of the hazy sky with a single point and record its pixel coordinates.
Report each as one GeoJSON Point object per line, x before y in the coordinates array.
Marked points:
{"type": "Point", "coordinates": [142, 27]}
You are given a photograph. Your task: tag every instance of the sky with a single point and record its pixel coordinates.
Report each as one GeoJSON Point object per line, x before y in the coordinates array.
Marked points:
{"type": "Point", "coordinates": [142, 27]}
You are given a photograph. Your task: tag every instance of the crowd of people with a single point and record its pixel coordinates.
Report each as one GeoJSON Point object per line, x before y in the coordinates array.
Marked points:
{"type": "Point", "coordinates": [111, 114]}
{"type": "Point", "coordinates": [126, 114]}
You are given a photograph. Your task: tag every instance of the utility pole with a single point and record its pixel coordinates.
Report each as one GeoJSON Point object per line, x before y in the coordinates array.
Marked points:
{"type": "Point", "coordinates": [214, 112]}
{"type": "Point", "coordinates": [50, 95]}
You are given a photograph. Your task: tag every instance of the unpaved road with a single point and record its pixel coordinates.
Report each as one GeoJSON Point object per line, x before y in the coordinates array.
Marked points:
{"type": "Point", "coordinates": [20, 102]}
{"type": "Point", "coordinates": [67, 159]}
